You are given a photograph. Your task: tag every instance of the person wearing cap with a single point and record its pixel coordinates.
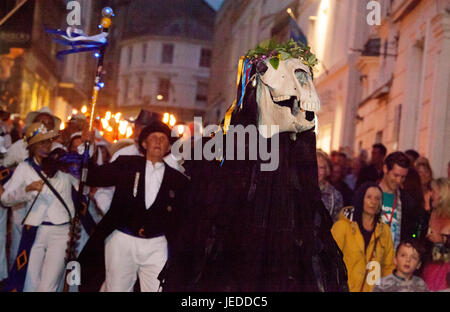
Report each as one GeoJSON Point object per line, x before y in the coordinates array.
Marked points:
{"type": "Point", "coordinates": [134, 237]}
{"type": "Point", "coordinates": [49, 210]}
{"type": "Point", "coordinates": [144, 119]}
{"type": "Point", "coordinates": [18, 151]}
{"type": "Point", "coordinates": [77, 122]}
{"type": "Point", "coordinates": [16, 154]}
{"type": "Point", "coordinates": [103, 196]}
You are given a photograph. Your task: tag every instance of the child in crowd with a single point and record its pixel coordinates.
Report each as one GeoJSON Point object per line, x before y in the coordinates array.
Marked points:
{"type": "Point", "coordinates": [407, 260]}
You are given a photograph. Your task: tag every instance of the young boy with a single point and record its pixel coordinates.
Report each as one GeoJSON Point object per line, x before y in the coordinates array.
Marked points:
{"type": "Point", "coordinates": [407, 261]}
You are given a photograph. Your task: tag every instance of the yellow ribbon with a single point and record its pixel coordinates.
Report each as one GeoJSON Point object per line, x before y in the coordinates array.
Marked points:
{"type": "Point", "coordinates": [227, 121]}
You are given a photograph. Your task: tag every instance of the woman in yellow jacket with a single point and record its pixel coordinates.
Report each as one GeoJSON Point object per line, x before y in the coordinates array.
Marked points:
{"type": "Point", "coordinates": [362, 238]}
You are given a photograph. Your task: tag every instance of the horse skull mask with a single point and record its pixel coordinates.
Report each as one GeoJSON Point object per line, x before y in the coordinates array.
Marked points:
{"type": "Point", "coordinates": [284, 95]}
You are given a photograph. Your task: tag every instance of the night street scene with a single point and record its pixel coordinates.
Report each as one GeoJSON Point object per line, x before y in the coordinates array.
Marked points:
{"type": "Point", "coordinates": [225, 152]}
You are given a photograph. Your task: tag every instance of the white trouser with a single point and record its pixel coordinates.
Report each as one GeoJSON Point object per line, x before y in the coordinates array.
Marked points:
{"type": "Point", "coordinates": [127, 256]}
{"type": "Point", "coordinates": [18, 213]}
{"type": "Point", "coordinates": [3, 260]}
{"type": "Point", "coordinates": [47, 259]}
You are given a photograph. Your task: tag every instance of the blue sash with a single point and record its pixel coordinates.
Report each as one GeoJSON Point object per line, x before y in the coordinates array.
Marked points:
{"type": "Point", "coordinates": [85, 216]}
{"type": "Point", "coordinates": [18, 273]}
{"type": "Point", "coordinates": [5, 174]}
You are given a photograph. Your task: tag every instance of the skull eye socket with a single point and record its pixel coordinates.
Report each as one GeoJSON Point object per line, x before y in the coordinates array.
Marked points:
{"type": "Point", "coordinates": [300, 70]}
{"type": "Point", "coordinates": [302, 76]}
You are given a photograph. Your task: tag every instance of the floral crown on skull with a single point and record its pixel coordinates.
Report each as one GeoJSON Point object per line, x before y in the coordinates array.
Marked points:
{"type": "Point", "coordinates": [276, 52]}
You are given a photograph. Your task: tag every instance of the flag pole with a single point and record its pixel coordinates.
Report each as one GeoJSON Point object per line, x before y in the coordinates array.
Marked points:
{"type": "Point", "coordinates": [11, 13]}
{"type": "Point", "coordinates": [75, 227]}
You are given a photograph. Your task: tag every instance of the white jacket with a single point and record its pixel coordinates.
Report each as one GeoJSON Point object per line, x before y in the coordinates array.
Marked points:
{"type": "Point", "coordinates": [47, 207]}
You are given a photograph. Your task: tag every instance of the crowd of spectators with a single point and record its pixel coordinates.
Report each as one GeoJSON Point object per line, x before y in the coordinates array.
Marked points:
{"type": "Point", "coordinates": [391, 210]}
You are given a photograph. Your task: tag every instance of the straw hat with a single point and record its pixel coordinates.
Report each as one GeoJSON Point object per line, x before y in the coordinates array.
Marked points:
{"type": "Point", "coordinates": [37, 132]}
{"type": "Point", "coordinates": [44, 110]}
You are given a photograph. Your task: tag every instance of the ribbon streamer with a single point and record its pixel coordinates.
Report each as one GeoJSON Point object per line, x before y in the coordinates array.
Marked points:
{"type": "Point", "coordinates": [79, 41]}
{"type": "Point", "coordinates": [230, 111]}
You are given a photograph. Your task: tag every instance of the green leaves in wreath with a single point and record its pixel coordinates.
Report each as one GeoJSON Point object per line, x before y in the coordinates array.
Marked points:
{"type": "Point", "coordinates": [284, 55]}
{"type": "Point", "coordinates": [270, 49]}
{"type": "Point", "coordinates": [275, 62]}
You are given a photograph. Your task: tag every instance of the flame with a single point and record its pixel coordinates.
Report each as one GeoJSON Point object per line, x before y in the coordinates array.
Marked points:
{"type": "Point", "coordinates": [172, 120]}
{"type": "Point", "coordinates": [166, 118]}
{"type": "Point", "coordinates": [123, 125]}
{"type": "Point", "coordinates": [129, 132]}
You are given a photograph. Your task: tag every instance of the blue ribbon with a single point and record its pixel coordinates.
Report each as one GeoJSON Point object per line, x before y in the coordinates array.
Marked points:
{"type": "Point", "coordinates": [60, 54]}
{"type": "Point", "coordinates": [77, 46]}
{"type": "Point", "coordinates": [244, 80]}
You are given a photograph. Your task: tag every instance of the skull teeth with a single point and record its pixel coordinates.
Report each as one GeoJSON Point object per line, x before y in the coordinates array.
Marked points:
{"type": "Point", "coordinates": [281, 98]}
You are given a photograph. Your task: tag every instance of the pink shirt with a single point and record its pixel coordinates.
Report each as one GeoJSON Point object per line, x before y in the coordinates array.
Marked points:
{"type": "Point", "coordinates": [435, 275]}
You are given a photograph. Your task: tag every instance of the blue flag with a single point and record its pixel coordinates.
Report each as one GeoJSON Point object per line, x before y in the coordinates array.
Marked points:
{"type": "Point", "coordinates": [296, 33]}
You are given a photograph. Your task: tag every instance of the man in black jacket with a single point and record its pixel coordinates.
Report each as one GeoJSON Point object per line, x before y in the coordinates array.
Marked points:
{"type": "Point", "coordinates": [135, 235]}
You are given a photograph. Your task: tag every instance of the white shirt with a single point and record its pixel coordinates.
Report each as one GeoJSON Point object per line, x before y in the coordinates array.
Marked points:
{"type": "Point", "coordinates": [16, 154]}
{"type": "Point", "coordinates": [104, 195]}
{"type": "Point", "coordinates": [153, 178]}
{"type": "Point", "coordinates": [47, 207]}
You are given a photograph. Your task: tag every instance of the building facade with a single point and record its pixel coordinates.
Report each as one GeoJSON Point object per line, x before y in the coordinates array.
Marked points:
{"type": "Point", "coordinates": [165, 58]}
{"type": "Point", "coordinates": [332, 28]}
{"type": "Point", "coordinates": [405, 102]}
{"type": "Point", "coordinates": [382, 75]}
{"type": "Point", "coordinates": [31, 75]}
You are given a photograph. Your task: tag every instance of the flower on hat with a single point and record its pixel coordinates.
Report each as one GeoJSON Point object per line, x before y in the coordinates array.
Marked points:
{"type": "Point", "coordinates": [41, 130]}
{"type": "Point", "coordinates": [38, 132]}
